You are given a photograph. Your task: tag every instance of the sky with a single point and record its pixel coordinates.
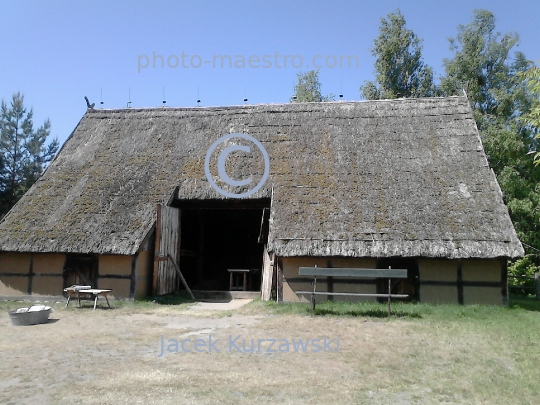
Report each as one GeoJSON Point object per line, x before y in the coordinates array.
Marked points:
{"type": "Point", "coordinates": [114, 52]}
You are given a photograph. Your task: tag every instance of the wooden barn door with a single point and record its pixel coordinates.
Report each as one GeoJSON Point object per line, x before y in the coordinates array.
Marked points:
{"type": "Point", "coordinates": [81, 270]}
{"type": "Point", "coordinates": [167, 243]}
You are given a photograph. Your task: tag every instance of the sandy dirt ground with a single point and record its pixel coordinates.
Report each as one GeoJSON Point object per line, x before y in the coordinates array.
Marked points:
{"type": "Point", "coordinates": [132, 354]}
{"type": "Point", "coordinates": [114, 356]}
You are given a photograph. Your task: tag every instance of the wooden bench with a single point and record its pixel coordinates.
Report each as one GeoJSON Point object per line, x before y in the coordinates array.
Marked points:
{"type": "Point", "coordinates": [352, 273]}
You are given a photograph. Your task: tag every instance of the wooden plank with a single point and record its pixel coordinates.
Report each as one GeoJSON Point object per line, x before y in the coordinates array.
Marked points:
{"type": "Point", "coordinates": [352, 272]}
{"type": "Point", "coordinates": [155, 281]}
{"type": "Point", "coordinates": [167, 228]}
{"type": "Point", "coordinates": [229, 203]}
{"type": "Point", "coordinates": [266, 285]}
{"type": "Point", "coordinates": [279, 292]}
{"type": "Point", "coordinates": [313, 296]}
{"type": "Point", "coordinates": [353, 294]}
{"type": "Point", "coordinates": [178, 246]}
{"type": "Point", "coordinates": [82, 276]}
{"type": "Point", "coordinates": [181, 277]}
{"type": "Point", "coordinates": [263, 233]}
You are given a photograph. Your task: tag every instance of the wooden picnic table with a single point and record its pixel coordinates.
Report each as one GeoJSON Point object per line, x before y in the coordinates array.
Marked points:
{"type": "Point", "coordinates": [77, 291]}
{"type": "Point", "coordinates": [247, 275]}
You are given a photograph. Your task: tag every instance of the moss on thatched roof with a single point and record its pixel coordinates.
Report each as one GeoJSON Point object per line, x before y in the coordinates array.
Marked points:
{"type": "Point", "coordinates": [381, 178]}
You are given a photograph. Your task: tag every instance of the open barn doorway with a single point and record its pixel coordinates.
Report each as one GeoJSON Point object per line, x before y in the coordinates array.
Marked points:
{"type": "Point", "coordinates": [218, 236]}
{"type": "Point", "coordinates": [409, 285]}
{"type": "Point", "coordinates": [80, 270]}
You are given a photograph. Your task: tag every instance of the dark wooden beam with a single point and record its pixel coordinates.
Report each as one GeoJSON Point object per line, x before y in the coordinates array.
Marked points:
{"type": "Point", "coordinates": [460, 283]}
{"type": "Point", "coordinates": [495, 284]}
{"type": "Point", "coordinates": [504, 282]}
{"type": "Point", "coordinates": [133, 276]}
{"type": "Point", "coordinates": [237, 204]}
{"type": "Point", "coordinates": [353, 281]}
{"type": "Point", "coordinates": [279, 281]}
{"type": "Point", "coordinates": [352, 272]}
{"type": "Point", "coordinates": [116, 276]}
{"type": "Point", "coordinates": [200, 256]}
{"type": "Point", "coordinates": [30, 274]}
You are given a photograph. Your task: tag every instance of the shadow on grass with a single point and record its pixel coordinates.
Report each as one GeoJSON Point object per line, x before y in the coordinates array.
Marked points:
{"type": "Point", "coordinates": [367, 313]}
{"type": "Point", "coordinates": [169, 299]}
{"type": "Point", "coordinates": [90, 306]}
{"type": "Point", "coordinates": [528, 303]}
{"type": "Point", "coordinates": [364, 310]}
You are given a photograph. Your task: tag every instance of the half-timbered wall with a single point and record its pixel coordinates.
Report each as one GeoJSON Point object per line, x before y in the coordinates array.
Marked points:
{"type": "Point", "coordinates": [293, 282]}
{"type": "Point", "coordinates": [38, 273]}
{"type": "Point", "coordinates": [442, 281]}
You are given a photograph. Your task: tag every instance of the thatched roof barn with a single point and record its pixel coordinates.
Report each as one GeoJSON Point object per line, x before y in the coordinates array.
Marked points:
{"type": "Point", "coordinates": [371, 180]}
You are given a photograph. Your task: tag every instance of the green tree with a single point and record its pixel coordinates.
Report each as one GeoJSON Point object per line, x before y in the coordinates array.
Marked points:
{"type": "Point", "coordinates": [532, 118]}
{"type": "Point", "coordinates": [308, 88]}
{"type": "Point", "coordinates": [492, 77]}
{"type": "Point", "coordinates": [482, 66]}
{"type": "Point", "coordinates": [399, 67]}
{"type": "Point", "coordinates": [23, 151]}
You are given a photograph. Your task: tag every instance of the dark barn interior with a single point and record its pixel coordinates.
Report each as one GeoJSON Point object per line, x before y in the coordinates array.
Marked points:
{"type": "Point", "coordinates": [219, 236]}
{"type": "Point", "coordinates": [409, 285]}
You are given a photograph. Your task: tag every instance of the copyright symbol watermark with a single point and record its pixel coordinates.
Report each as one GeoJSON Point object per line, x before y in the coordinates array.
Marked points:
{"type": "Point", "coordinates": [221, 161]}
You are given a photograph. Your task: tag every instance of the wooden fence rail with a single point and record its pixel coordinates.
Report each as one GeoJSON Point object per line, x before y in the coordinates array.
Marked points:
{"type": "Point", "coordinates": [535, 288]}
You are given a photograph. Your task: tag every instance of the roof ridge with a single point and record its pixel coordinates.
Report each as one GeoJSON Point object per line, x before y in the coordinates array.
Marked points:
{"type": "Point", "coordinates": [246, 106]}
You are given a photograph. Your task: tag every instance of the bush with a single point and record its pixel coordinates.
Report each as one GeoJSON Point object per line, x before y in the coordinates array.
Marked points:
{"type": "Point", "coordinates": [523, 267]}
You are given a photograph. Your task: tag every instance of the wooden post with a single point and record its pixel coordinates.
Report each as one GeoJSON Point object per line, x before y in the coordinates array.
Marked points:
{"type": "Point", "coordinates": [279, 284]}
{"type": "Point", "coordinates": [389, 292]}
{"type": "Point", "coordinates": [181, 276]}
{"type": "Point", "coordinates": [313, 295]}
{"type": "Point", "coordinates": [537, 285]}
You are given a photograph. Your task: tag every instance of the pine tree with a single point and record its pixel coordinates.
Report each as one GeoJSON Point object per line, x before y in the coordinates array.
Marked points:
{"type": "Point", "coordinates": [23, 151]}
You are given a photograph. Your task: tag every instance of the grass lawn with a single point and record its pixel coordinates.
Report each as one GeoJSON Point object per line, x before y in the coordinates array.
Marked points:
{"type": "Point", "coordinates": [423, 354]}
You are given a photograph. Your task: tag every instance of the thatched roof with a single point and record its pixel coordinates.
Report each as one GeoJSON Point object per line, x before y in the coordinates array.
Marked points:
{"type": "Point", "coordinates": [379, 178]}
